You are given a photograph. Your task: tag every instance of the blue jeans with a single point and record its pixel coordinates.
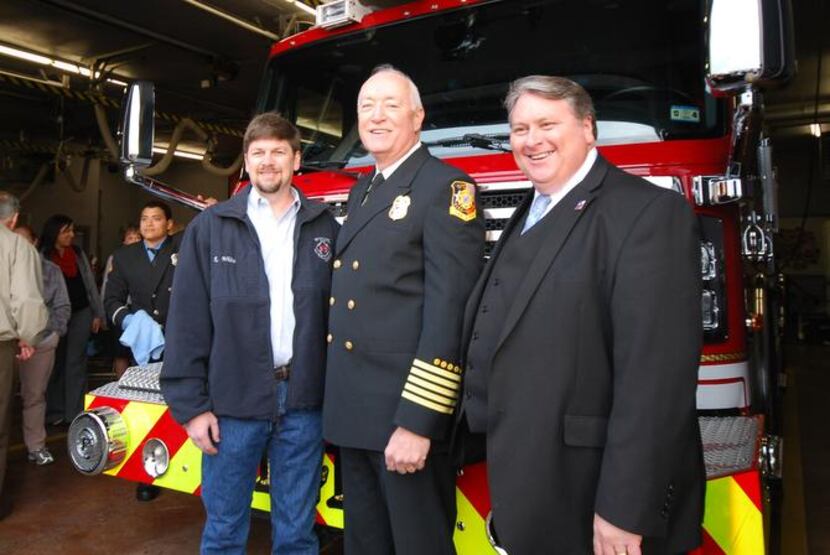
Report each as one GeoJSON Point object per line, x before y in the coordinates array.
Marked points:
{"type": "Point", "coordinates": [294, 445]}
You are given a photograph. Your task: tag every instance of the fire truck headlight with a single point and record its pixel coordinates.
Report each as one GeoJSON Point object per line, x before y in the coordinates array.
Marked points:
{"type": "Point", "coordinates": [156, 457]}
{"type": "Point", "coordinates": [711, 310]}
{"type": "Point", "coordinates": [97, 440]}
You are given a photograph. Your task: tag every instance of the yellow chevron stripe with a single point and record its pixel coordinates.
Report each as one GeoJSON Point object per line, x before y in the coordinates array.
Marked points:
{"type": "Point", "coordinates": [470, 530]}
{"type": "Point", "coordinates": [452, 394]}
{"type": "Point", "coordinates": [412, 388]}
{"type": "Point", "coordinates": [433, 378]}
{"type": "Point", "coordinates": [185, 470]}
{"type": "Point", "coordinates": [424, 403]}
{"type": "Point", "coordinates": [332, 517]}
{"type": "Point", "coordinates": [732, 519]}
{"type": "Point", "coordinates": [436, 370]}
{"type": "Point", "coordinates": [139, 418]}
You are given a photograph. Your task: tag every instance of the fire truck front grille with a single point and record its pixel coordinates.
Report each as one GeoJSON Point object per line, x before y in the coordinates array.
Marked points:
{"type": "Point", "coordinates": [730, 443]}
{"type": "Point", "coordinates": [502, 199]}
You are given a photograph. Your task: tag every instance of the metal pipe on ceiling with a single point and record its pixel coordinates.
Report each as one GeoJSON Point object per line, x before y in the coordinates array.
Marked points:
{"type": "Point", "coordinates": [111, 20]}
{"type": "Point", "coordinates": [233, 19]}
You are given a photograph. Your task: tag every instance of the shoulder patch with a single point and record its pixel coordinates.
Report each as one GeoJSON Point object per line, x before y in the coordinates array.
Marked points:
{"type": "Point", "coordinates": [463, 201]}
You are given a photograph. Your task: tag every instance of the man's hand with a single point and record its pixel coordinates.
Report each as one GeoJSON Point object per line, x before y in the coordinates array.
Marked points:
{"type": "Point", "coordinates": [204, 432]}
{"type": "Point", "coordinates": [97, 324]}
{"type": "Point", "coordinates": [26, 351]}
{"type": "Point", "coordinates": [610, 540]}
{"type": "Point", "coordinates": [406, 451]}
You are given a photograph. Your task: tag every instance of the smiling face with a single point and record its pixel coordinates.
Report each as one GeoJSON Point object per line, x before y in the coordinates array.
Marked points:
{"type": "Point", "coordinates": [388, 121]}
{"type": "Point", "coordinates": [65, 237]}
{"type": "Point", "coordinates": [549, 141]}
{"type": "Point", "coordinates": [154, 225]}
{"type": "Point", "coordinates": [271, 164]}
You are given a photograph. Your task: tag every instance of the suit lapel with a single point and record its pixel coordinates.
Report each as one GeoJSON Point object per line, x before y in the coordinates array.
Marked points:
{"type": "Point", "coordinates": [379, 200]}
{"type": "Point", "coordinates": [565, 216]}
{"type": "Point", "coordinates": [159, 264]}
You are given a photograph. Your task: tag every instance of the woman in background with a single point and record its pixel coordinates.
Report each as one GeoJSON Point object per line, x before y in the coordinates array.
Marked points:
{"type": "Point", "coordinates": [65, 395]}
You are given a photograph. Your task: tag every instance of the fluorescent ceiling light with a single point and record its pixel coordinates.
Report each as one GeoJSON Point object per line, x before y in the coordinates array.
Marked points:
{"type": "Point", "coordinates": [62, 65]}
{"type": "Point", "coordinates": [303, 6]}
{"type": "Point", "coordinates": [815, 130]}
{"type": "Point", "coordinates": [179, 153]}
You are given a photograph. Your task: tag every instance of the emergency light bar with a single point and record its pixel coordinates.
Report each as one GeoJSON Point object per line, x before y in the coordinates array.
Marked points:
{"type": "Point", "coordinates": [340, 12]}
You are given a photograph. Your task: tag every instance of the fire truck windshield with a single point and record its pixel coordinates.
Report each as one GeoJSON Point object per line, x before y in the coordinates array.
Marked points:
{"type": "Point", "coordinates": [641, 60]}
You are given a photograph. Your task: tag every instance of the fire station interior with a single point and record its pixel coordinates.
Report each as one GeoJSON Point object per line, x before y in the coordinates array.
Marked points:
{"type": "Point", "coordinates": [64, 67]}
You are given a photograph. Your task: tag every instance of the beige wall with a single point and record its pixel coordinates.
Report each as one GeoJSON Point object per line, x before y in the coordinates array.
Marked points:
{"type": "Point", "coordinates": [107, 202]}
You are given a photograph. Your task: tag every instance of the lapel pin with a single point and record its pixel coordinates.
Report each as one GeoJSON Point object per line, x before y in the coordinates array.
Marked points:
{"type": "Point", "coordinates": [580, 205]}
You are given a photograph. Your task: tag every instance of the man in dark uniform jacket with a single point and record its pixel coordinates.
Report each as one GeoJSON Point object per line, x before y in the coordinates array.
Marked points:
{"type": "Point", "coordinates": [583, 339]}
{"type": "Point", "coordinates": [142, 273]}
{"type": "Point", "coordinates": [405, 260]}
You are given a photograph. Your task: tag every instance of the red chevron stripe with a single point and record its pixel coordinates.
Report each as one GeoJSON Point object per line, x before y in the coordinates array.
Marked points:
{"type": "Point", "coordinates": [117, 404]}
{"type": "Point", "coordinates": [165, 429]}
{"type": "Point", "coordinates": [709, 547]}
{"type": "Point", "coordinates": [473, 484]}
{"type": "Point", "coordinates": [750, 482]}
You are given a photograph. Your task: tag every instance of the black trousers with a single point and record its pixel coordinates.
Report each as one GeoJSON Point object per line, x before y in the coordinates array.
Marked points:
{"type": "Point", "coordinates": [389, 513]}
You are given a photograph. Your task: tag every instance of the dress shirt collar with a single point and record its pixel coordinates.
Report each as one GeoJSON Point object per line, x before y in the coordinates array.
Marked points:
{"type": "Point", "coordinates": [390, 169]}
{"type": "Point", "coordinates": [257, 203]}
{"type": "Point", "coordinates": [571, 183]}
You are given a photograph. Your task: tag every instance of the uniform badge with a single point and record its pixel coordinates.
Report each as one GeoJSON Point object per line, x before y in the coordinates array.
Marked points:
{"type": "Point", "coordinates": [322, 248]}
{"type": "Point", "coordinates": [174, 258]}
{"type": "Point", "coordinates": [463, 203]}
{"type": "Point", "coordinates": [400, 206]}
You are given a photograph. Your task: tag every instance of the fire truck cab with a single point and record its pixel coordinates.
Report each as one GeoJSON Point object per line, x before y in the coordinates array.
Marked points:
{"type": "Point", "coordinates": [678, 94]}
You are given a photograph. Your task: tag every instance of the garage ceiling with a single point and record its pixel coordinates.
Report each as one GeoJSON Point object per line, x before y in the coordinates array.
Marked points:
{"type": "Point", "coordinates": [208, 68]}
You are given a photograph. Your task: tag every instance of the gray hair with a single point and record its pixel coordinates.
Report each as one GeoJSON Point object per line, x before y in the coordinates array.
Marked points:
{"type": "Point", "coordinates": [9, 206]}
{"type": "Point", "coordinates": [415, 95]}
{"type": "Point", "coordinates": [553, 88]}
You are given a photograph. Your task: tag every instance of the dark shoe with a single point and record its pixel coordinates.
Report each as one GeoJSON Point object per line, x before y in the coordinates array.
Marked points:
{"type": "Point", "coordinates": [146, 492]}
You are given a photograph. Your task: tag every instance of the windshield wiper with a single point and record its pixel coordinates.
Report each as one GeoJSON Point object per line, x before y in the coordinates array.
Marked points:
{"type": "Point", "coordinates": [474, 140]}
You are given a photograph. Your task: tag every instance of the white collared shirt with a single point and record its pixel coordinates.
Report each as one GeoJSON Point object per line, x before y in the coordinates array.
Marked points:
{"type": "Point", "coordinates": [391, 169]}
{"type": "Point", "coordinates": [276, 239]}
{"type": "Point", "coordinates": [575, 180]}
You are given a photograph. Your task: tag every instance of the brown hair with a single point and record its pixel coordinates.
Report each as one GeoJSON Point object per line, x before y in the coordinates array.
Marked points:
{"type": "Point", "coordinates": [553, 88]}
{"type": "Point", "coordinates": [271, 125]}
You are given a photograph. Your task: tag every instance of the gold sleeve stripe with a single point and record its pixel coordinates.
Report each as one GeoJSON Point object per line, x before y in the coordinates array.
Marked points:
{"type": "Point", "coordinates": [425, 403]}
{"type": "Point", "coordinates": [429, 395]}
{"type": "Point", "coordinates": [436, 370]}
{"type": "Point", "coordinates": [434, 379]}
{"type": "Point", "coordinates": [432, 387]}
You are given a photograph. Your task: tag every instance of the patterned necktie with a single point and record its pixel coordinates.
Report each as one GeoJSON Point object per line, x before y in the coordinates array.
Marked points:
{"type": "Point", "coordinates": [537, 210]}
{"type": "Point", "coordinates": [376, 182]}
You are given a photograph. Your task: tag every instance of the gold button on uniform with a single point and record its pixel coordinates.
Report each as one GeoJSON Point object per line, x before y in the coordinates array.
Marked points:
{"type": "Point", "coordinates": [331, 301]}
{"type": "Point", "coordinates": [337, 264]}
{"type": "Point", "coordinates": [355, 265]}
{"type": "Point", "coordinates": [349, 346]}
{"type": "Point", "coordinates": [351, 304]}
{"type": "Point", "coordinates": [329, 337]}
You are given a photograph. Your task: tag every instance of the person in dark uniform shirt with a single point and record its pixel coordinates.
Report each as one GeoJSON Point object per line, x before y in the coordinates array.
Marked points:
{"type": "Point", "coordinates": [141, 280]}
{"type": "Point", "coordinates": [585, 328]}
{"type": "Point", "coordinates": [409, 251]}
{"type": "Point", "coordinates": [142, 273]}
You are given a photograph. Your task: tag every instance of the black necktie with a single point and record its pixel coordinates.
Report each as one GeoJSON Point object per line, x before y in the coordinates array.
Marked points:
{"type": "Point", "coordinates": [376, 182]}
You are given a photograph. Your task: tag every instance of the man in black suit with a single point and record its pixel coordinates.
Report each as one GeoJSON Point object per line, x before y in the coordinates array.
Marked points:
{"type": "Point", "coordinates": [141, 280]}
{"type": "Point", "coordinates": [142, 273]}
{"type": "Point", "coordinates": [583, 337]}
{"type": "Point", "coordinates": [405, 260]}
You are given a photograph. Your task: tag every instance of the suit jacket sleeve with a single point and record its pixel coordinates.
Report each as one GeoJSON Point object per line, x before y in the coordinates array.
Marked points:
{"type": "Point", "coordinates": [655, 312]}
{"type": "Point", "coordinates": [189, 330]}
{"type": "Point", "coordinates": [453, 257]}
{"type": "Point", "coordinates": [117, 291]}
{"type": "Point", "coordinates": [28, 311]}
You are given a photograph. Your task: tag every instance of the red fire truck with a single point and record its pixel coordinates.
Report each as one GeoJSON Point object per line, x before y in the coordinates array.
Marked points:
{"type": "Point", "coordinates": [677, 87]}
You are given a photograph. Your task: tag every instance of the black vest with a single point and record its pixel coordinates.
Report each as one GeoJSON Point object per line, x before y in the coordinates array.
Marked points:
{"type": "Point", "coordinates": [510, 268]}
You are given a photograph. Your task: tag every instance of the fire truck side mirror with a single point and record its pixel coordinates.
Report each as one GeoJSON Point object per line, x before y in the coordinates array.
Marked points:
{"type": "Point", "coordinates": [750, 43]}
{"type": "Point", "coordinates": [137, 125]}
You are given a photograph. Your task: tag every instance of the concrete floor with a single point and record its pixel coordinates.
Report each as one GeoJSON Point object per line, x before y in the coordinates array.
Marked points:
{"type": "Point", "coordinates": [56, 510]}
